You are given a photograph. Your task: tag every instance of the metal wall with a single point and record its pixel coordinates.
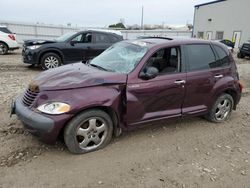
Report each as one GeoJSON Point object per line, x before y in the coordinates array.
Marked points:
{"type": "Point", "coordinates": [26, 31]}
{"type": "Point", "coordinates": [229, 17]}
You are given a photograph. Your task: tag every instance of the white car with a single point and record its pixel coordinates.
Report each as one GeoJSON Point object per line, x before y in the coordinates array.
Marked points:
{"type": "Point", "coordinates": [7, 41]}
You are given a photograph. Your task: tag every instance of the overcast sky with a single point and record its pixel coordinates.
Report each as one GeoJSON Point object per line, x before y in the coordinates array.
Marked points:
{"type": "Point", "coordinates": [98, 12]}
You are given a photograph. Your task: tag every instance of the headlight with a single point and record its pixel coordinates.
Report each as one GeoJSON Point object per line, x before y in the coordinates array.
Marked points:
{"type": "Point", "coordinates": [34, 47]}
{"type": "Point", "coordinates": [54, 108]}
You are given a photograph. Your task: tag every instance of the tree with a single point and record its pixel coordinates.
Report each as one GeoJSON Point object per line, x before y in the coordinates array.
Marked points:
{"type": "Point", "coordinates": [117, 26]}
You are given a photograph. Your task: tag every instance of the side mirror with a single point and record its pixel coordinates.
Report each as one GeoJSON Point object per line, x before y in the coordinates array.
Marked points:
{"type": "Point", "coordinates": [72, 43]}
{"type": "Point", "coordinates": [149, 73]}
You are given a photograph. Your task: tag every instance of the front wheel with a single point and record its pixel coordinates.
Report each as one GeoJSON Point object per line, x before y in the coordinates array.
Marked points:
{"type": "Point", "coordinates": [240, 55]}
{"type": "Point", "coordinates": [50, 61]}
{"type": "Point", "coordinates": [3, 48]}
{"type": "Point", "coordinates": [221, 109]}
{"type": "Point", "coordinates": [89, 131]}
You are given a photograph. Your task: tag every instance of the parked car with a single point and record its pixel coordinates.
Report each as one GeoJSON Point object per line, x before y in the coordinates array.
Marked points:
{"type": "Point", "coordinates": [7, 41]}
{"type": "Point", "coordinates": [69, 48]}
{"type": "Point", "coordinates": [130, 84]}
{"type": "Point", "coordinates": [228, 43]}
{"type": "Point", "coordinates": [244, 50]}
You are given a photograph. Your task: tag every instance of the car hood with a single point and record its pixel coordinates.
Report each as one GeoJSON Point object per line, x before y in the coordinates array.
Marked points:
{"type": "Point", "coordinates": [38, 42]}
{"type": "Point", "coordinates": [77, 75]}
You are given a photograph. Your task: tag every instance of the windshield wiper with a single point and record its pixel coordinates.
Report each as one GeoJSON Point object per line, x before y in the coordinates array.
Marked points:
{"type": "Point", "coordinates": [99, 67]}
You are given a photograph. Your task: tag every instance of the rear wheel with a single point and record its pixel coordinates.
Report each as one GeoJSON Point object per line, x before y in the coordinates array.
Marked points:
{"type": "Point", "coordinates": [221, 109]}
{"type": "Point", "coordinates": [88, 131]}
{"type": "Point", "coordinates": [50, 61]}
{"type": "Point", "coordinates": [3, 48]}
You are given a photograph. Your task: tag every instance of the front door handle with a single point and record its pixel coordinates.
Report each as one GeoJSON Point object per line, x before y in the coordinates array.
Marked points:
{"type": "Point", "coordinates": [180, 82]}
{"type": "Point", "coordinates": [219, 76]}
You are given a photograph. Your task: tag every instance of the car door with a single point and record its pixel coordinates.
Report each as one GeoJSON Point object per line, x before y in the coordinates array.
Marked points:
{"type": "Point", "coordinates": [101, 43]}
{"type": "Point", "coordinates": [77, 49]}
{"type": "Point", "coordinates": [162, 96]}
{"type": "Point", "coordinates": [202, 75]}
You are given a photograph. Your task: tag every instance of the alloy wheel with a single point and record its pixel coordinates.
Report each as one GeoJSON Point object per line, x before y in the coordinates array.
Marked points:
{"type": "Point", "coordinates": [91, 133]}
{"type": "Point", "coordinates": [223, 109]}
{"type": "Point", "coordinates": [51, 62]}
{"type": "Point", "coordinates": [3, 49]}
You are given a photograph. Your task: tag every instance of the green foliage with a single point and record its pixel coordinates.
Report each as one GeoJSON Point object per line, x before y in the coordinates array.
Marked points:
{"type": "Point", "coordinates": [118, 25]}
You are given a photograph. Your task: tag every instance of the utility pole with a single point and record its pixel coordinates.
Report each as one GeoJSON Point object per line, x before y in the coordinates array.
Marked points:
{"type": "Point", "coordinates": [142, 12]}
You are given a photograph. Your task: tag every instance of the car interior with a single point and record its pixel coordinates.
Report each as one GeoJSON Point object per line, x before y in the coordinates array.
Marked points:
{"type": "Point", "coordinates": [166, 60]}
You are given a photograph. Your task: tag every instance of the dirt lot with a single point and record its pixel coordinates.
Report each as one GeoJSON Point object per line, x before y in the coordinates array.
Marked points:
{"type": "Point", "coordinates": [191, 153]}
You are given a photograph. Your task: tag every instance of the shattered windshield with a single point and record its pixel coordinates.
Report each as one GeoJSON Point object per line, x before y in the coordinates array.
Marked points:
{"type": "Point", "coordinates": [122, 57]}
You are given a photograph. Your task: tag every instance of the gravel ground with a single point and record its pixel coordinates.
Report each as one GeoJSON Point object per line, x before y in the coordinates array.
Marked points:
{"type": "Point", "coordinates": [188, 153]}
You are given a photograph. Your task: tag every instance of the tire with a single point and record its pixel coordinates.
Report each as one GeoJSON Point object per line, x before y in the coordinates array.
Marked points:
{"type": "Point", "coordinates": [222, 109]}
{"type": "Point", "coordinates": [50, 60]}
{"type": "Point", "coordinates": [89, 131]}
{"type": "Point", "coordinates": [240, 55]}
{"type": "Point", "coordinates": [3, 48]}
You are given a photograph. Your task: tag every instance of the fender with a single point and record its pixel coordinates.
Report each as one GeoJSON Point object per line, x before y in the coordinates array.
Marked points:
{"type": "Point", "coordinates": [220, 88]}
{"type": "Point", "coordinates": [50, 49]}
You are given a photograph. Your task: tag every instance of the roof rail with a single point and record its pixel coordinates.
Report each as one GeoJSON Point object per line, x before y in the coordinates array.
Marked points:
{"type": "Point", "coordinates": [151, 37]}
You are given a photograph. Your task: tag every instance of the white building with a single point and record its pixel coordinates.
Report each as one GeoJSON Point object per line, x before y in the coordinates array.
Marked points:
{"type": "Point", "coordinates": [223, 19]}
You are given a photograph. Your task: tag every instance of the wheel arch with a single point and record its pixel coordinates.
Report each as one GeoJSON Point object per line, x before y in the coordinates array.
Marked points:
{"type": "Point", "coordinates": [5, 44]}
{"type": "Point", "coordinates": [109, 110]}
{"type": "Point", "coordinates": [233, 93]}
{"type": "Point", "coordinates": [229, 91]}
{"type": "Point", "coordinates": [58, 52]}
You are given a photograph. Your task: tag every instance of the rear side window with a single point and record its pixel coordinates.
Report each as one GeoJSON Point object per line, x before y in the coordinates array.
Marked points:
{"type": "Point", "coordinates": [5, 30]}
{"type": "Point", "coordinates": [113, 39]}
{"type": "Point", "coordinates": [101, 38]}
{"type": "Point", "coordinates": [224, 59]}
{"type": "Point", "coordinates": [200, 56]}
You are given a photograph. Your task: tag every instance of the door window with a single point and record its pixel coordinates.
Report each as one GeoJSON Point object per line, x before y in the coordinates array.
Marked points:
{"type": "Point", "coordinates": [83, 38]}
{"type": "Point", "coordinates": [200, 57]}
{"type": "Point", "coordinates": [166, 60]}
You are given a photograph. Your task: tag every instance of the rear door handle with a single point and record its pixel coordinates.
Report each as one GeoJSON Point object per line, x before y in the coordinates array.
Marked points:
{"type": "Point", "coordinates": [180, 82]}
{"type": "Point", "coordinates": [219, 76]}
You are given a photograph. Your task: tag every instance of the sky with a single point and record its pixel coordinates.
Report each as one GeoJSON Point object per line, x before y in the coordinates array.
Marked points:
{"type": "Point", "coordinates": [99, 12]}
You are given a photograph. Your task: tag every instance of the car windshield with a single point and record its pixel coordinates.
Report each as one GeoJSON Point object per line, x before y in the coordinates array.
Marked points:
{"type": "Point", "coordinates": [122, 57]}
{"type": "Point", "coordinates": [65, 37]}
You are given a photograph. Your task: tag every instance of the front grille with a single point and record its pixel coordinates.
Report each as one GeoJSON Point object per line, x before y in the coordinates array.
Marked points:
{"type": "Point", "coordinates": [29, 97]}
{"type": "Point", "coordinates": [246, 46]}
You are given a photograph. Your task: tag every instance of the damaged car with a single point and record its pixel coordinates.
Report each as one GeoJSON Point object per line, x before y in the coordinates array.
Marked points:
{"type": "Point", "coordinates": [130, 84]}
{"type": "Point", "coordinates": [69, 48]}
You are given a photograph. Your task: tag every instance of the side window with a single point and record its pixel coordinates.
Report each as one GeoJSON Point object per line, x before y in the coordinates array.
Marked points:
{"type": "Point", "coordinates": [5, 30]}
{"type": "Point", "coordinates": [78, 38]}
{"type": "Point", "coordinates": [101, 38]}
{"type": "Point", "coordinates": [113, 39]}
{"type": "Point", "coordinates": [224, 60]}
{"type": "Point", "coordinates": [83, 38]}
{"type": "Point", "coordinates": [166, 60]}
{"type": "Point", "coordinates": [200, 56]}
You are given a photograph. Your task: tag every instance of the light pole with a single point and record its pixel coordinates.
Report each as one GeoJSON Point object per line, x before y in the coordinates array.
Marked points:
{"type": "Point", "coordinates": [142, 14]}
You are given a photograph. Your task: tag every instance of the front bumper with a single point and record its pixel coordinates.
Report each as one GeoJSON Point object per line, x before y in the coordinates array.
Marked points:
{"type": "Point", "coordinates": [30, 56]}
{"type": "Point", "coordinates": [46, 128]}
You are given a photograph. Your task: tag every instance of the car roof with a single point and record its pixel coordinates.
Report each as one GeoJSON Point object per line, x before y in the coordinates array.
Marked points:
{"type": "Point", "coordinates": [106, 31]}
{"type": "Point", "coordinates": [155, 41]}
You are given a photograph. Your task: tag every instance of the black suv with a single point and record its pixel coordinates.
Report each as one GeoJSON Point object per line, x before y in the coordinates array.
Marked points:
{"type": "Point", "coordinates": [244, 50]}
{"type": "Point", "coordinates": [69, 48]}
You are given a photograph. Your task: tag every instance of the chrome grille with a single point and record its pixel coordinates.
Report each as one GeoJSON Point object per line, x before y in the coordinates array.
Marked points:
{"type": "Point", "coordinates": [29, 97]}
